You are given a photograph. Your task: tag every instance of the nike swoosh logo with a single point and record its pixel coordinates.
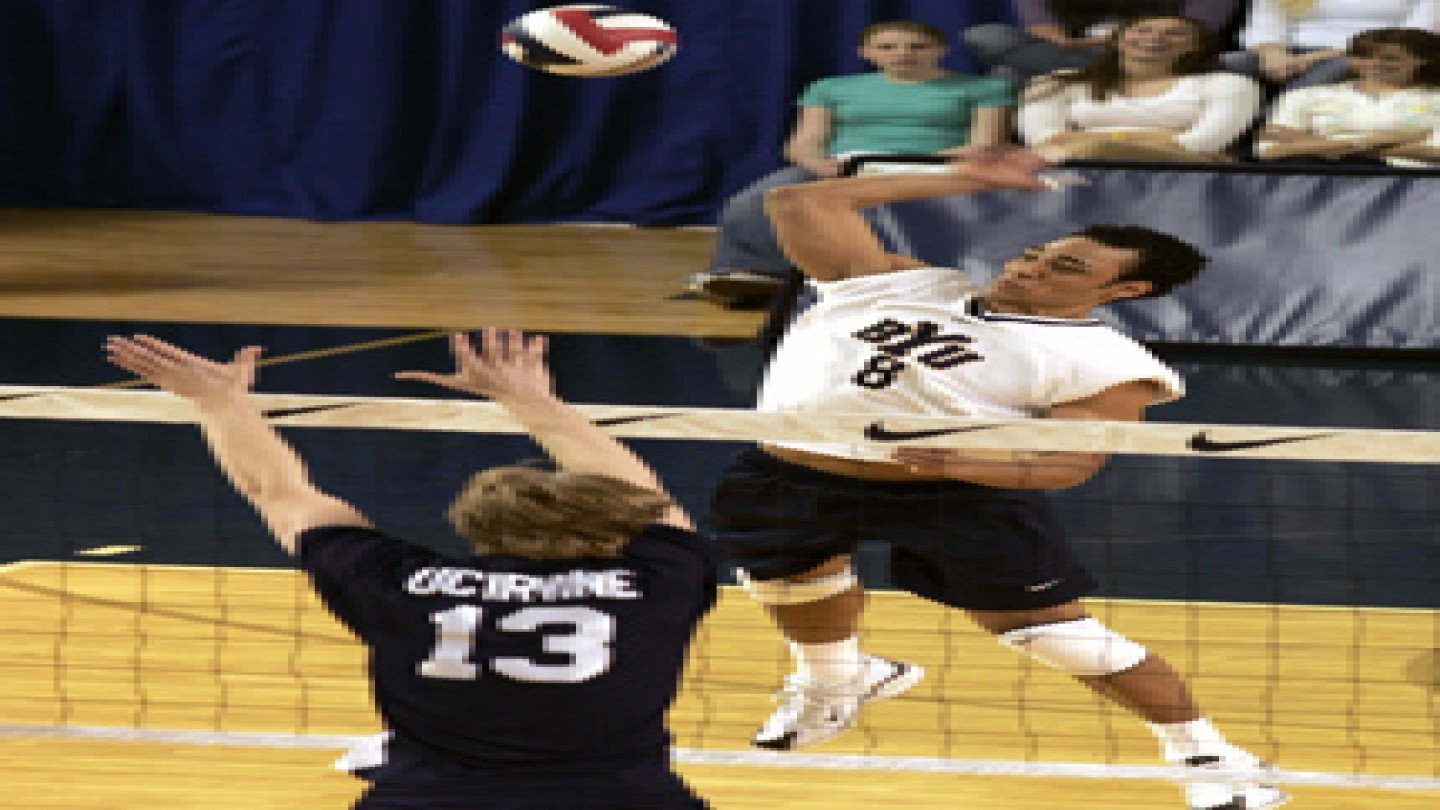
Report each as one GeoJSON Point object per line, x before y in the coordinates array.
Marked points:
{"type": "Point", "coordinates": [625, 420]}
{"type": "Point", "coordinates": [276, 413]}
{"type": "Point", "coordinates": [1205, 444]}
{"type": "Point", "coordinates": [876, 431]}
{"type": "Point", "coordinates": [1044, 586]}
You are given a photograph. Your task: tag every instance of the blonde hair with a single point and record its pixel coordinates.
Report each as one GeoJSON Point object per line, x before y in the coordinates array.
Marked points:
{"type": "Point", "coordinates": [1296, 8]}
{"type": "Point", "coordinates": [545, 515]}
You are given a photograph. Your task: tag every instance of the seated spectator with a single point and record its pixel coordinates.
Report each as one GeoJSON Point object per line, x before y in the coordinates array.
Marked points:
{"type": "Point", "coordinates": [1301, 43]}
{"type": "Point", "coordinates": [1155, 93]}
{"type": "Point", "coordinates": [1059, 34]}
{"type": "Point", "coordinates": [910, 104]}
{"type": "Point", "coordinates": [1388, 113]}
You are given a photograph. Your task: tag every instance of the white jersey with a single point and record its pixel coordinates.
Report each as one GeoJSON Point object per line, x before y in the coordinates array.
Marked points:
{"type": "Point", "coordinates": [919, 343]}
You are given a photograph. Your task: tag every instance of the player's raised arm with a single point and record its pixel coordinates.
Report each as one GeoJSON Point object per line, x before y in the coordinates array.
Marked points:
{"type": "Point", "coordinates": [819, 224]}
{"type": "Point", "coordinates": [260, 464]}
{"type": "Point", "coordinates": [510, 368]}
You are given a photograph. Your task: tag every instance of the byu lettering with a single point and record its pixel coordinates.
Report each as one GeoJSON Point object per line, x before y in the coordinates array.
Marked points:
{"type": "Point", "coordinates": [924, 341]}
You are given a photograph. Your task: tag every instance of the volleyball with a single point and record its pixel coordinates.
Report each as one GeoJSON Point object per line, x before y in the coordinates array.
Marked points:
{"type": "Point", "coordinates": [593, 41]}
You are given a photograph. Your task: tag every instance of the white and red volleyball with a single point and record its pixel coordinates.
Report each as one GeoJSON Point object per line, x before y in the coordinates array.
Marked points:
{"type": "Point", "coordinates": [589, 40]}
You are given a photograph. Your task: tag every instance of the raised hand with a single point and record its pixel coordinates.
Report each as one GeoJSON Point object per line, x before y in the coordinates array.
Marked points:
{"type": "Point", "coordinates": [508, 365]}
{"type": "Point", "coordinates": [182, 373]}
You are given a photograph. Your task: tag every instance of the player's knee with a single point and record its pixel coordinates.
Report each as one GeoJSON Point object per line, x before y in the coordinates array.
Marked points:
{"type": "Point", "coordinates": [796, 592]}
{"type": "Point", "coordinates": [1084, 648]}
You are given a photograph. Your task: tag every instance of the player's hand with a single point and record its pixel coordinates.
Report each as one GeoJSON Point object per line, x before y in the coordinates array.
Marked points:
{"type": "Point", "coordinates": [182, 373]}
{"type": "Point", "coordinates": [508, 366]}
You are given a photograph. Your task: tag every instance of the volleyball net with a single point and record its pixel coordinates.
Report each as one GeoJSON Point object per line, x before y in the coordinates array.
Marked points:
{"type": "Point", "coordinates": [1289, 574]}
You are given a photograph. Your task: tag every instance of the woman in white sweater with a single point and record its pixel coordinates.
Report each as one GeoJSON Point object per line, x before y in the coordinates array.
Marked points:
{"type": "Point", "coordinates": [1301, 43]}
{"type": "Point", "coordinates": [1155, 94]}
{"type": "Point", "coordinates": [1388, 113]}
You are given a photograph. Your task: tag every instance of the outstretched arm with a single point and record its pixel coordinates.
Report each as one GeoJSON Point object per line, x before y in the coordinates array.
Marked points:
{"type": "Point", "coordinates": [510, 369]}
{"type": "Point", "coordinates": [819, 224]}
{"type": "Point", "coordinates": [259, 463]}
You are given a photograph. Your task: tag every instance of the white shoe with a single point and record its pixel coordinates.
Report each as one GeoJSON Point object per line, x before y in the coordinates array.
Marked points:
{"type": "Point", "coordinates": [810, 713]}
{"type": "Point", "coordinates": [1230, 795]}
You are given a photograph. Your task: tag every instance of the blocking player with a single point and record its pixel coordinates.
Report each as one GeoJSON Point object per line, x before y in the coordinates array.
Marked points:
{"type": "Point", "coordinates": [532, 675]}
{"type": "Point", "coordinates": [891, 336]}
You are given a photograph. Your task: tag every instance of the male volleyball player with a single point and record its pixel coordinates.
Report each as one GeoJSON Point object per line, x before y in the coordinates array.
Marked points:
{"type": "Point", "coordinates": [532, 676]}
{"type": "Point", "coordinates": [891, 336]}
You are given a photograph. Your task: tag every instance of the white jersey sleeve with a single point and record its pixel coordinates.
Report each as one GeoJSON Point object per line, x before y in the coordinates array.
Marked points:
{"type": "Point", "coordinates": [1103, 358]}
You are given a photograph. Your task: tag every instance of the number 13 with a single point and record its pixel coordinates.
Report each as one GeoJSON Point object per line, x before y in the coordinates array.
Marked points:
{"type": "Point", "coordinates": [587, 645]}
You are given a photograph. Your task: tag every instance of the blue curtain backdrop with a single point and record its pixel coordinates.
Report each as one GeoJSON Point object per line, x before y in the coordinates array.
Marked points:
{"type": "Point", "coordinates": [345, 109]}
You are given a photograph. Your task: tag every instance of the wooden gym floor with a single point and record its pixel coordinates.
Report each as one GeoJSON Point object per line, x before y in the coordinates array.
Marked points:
{"type": "Point", "coordinates": [144, 266]}
{"type": "Point", "coordinates": [156, 646]}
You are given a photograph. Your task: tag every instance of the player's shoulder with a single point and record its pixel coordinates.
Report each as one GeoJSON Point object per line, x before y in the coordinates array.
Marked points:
{"type": "Point", "coordinates": [346, 551]}
{"type": "Point", "coordinates": [1087, 338]}
{"type": "Point", "coordinates": [1090, 335]}
{"type": "Point", "coordinates": [323, 536]}
{"type": "Point", "coordinates": [1109, 348]}
{"type": "Point", "coordinates": [1084, 361]}
{"type": "Point", "coordinates": [1120, 345]}
{"type": "Point", "coordinates": [911, 283]}
{"type": "Point", "coordinates": [660, 541]}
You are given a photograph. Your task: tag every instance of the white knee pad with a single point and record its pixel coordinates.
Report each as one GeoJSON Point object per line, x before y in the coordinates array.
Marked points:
{"type": "Point", "coordinates": [1084, 647]}
{"type": "Point", "coordinates": [790, 592]}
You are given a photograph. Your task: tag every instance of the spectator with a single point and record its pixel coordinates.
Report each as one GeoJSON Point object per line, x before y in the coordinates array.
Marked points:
{"type": "Point", "coordinates": [1389, 113]}
{"type": "Point", "coordinates": [910, 104]}
{"type": "Point", "coordinates": [1155, 93]}
{"type": "Point", "coordinates": [1301, 43]}
{"type": "Point", "coordinates": [1059, 34]}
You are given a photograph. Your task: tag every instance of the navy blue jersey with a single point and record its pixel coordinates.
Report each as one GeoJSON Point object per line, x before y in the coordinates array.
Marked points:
{"type": "Point", "coordinates": [509, 665]}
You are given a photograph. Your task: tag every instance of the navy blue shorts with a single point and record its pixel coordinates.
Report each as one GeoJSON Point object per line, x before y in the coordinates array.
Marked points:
{"type": "Point", "coordinates": [959, 544]}
{"type": "Point", "coordinates": [558, 795]}
{"type": "Point", "coordinates": [409, 780]}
